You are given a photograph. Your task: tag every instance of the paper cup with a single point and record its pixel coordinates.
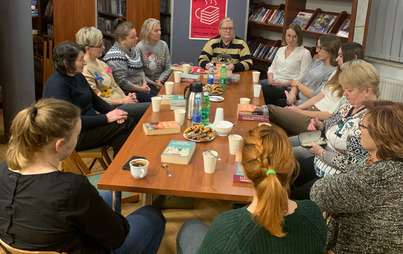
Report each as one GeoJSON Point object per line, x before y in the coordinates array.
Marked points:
{"type": "Point", "coordinates": [209, 161]}
{"type": "Point", "coordinates": [169, 87]}
{"type": "Point", "coordinates": [235, 142]}
{"type": "Point", "coordinates": [186, 68]}
{"type": "Point", "coordinates": [256, 90]}
{"type": "Point", "coordinates": [244, 100]}
{"type": "Point", "coordinates": [156, 103]}
{"type": "Point", "coordinates": [219, 115]}
{"type": "Point", "coordinates": [139, 168]}
{"type": "Point", "coordinates": [256, 76]}
{"type": "Point", "coordinates": [177, 76]}
{"type": "Point", "coordinates": [180, 116]}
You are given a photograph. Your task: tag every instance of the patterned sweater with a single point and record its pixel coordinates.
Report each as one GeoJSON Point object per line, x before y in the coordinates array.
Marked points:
{"type": "Point", "coordinates": [236, 232]}
{"type": "Point", "coordinates": [367, 207]}
{"type": "Point", "coordinates": [236, 53]}
{"type": "Point", "coordinates": [126, 66]}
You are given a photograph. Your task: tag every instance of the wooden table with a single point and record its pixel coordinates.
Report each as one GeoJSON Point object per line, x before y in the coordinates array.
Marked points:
{"type": "Point", "coordinates": [187, 180]}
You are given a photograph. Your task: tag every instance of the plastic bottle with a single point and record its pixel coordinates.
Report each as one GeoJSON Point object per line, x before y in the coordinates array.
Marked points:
{"type": "Point", "coordinates": [206, 109]}
{"type": "Point", "coordinates": [223, 77]}
{"type": "Point", "coordinates": [210, 75]}
{"type": "Point", "coordinates": [197, 110]}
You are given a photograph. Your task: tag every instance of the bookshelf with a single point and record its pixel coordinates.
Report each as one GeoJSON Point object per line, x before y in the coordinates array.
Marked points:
{"type": "Point", "coordinates": [260, 30]}
{"type": "Point", "coordinates": [165, 20]}
{"type": "Point", "coordinates": [135, 11]}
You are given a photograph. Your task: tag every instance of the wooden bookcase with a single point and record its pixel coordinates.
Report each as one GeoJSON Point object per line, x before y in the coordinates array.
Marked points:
{"type": "Point", "coordinates": [291, 9]}
{"type": "Point", "coordinates": [165, 20]}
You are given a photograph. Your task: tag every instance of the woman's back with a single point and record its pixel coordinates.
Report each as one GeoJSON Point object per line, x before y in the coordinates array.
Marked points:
{"type": "Point", "coordinates": [235, 232]}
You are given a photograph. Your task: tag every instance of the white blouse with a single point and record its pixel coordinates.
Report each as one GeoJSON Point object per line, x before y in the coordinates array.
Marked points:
{"type": "Point", "coordinates": [292, 67]}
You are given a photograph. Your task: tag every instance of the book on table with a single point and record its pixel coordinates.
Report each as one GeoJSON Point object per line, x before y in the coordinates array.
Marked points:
{"type": "Point", "coordinates": [344, 29]}
{"type": "Point", "coordinates": [187, 77]}
{"type": "Point", "coordinates": [178, 104]}
{"type": "Point", "coordinates": [322, 23]}
{"type": "Point", "coordinates": [302, 19]}
{"type": "Point", "coordinates": [238, 175]}
{"type": "Point", "coordinates": [168, 99]}
{"type": "Point", "coordinates": [178, 152]}
{"type": "Point", "coordinates": [253, 112]}
{"type": "Point", "coordinates": [159, 128]}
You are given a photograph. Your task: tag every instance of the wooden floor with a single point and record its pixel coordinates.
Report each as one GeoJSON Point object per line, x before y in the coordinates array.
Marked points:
{"type": "Point", "coordinates": [205, 210]}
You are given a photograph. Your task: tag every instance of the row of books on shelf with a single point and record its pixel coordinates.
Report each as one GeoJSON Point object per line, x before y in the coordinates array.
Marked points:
{"type": "Point", "coordinates": [107, 44]}
{"type": "Point", "coordinates": [272, 16]}
{"type": "Point", "coordinates": [165, 22]}
{"type": "Point", "coordinates": [34, 8]}
{"type": "Point", "coordinates": [262, 50]}
{"type": "Point", "coordinates": [105, 25]}
{"type": "Point", "coordinates": [116, 7]}
{"type": "Point", "coordinates": [49, 9]}
{"type": "Point", "coordinates": [321, 23]}
{"type": "Point", "coordinates": [165, 6]}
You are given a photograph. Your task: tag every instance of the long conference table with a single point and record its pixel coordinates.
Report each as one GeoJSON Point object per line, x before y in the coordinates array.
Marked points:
{"type": "Point", "coordinates": [187, 180]}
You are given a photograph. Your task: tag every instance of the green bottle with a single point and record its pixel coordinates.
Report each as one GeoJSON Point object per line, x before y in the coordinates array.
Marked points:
{"type": "Point", "coordinates": [223, 77]}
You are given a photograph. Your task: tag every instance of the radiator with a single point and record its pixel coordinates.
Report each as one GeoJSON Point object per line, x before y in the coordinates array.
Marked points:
{"type": "Point", "coordinates": [391, 89]}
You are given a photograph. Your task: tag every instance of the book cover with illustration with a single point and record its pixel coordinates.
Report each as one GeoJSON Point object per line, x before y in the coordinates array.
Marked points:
{"type": "Point", "coordinates": [253, 112]}
{"type": "Point", "coordinates": [189, 77]}
{"type": "Point", "coordinates": [178, 152]}
{"type": "Point", "coordinates": [168, 99]}
{"type": "Point", "coordinates": [302, 19]}
{"type": "Point", "coordinates": [158, 128]}
{"type": "Point", "coordinates": [322, 23]}
{"type": "Point", "coordinates": [238, 173]}
{"type": "Point", "coordinates": [344, 29]}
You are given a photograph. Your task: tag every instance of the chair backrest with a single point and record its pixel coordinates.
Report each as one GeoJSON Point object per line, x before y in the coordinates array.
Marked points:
{"type": "Point", "coordinates": [8, 249]}
{"type": "Point", "coordinates": [75, 164]}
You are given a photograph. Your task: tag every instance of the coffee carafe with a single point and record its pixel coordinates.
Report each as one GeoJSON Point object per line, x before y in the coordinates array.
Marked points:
{"type": "Point", "coordinates": [192, 91]}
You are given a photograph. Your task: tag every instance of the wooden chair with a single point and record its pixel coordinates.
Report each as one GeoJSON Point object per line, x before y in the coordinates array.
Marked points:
{"type": "Point", "coordinates": [8, 249]}
{"type": "Point", "coordinates": [99, 154]}
{"type": "Point", "coordinates": [48, 68]}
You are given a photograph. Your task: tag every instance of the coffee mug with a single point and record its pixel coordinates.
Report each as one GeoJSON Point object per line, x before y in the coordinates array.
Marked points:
{"type": "Point", "coordinates": [139, 168]}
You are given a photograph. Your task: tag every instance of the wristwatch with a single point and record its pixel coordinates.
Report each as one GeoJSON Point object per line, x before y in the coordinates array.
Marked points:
{"type": "Point", "coordinates": [299, 83]}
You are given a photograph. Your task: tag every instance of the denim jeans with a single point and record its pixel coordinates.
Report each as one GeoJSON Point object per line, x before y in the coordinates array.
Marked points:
{"type": "Point", "coordinates": [147, 227]}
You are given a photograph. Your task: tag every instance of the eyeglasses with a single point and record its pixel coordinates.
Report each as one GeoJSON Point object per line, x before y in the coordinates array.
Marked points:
{"type": "Point", "coordinates": [362, 126]}
{"type": "Point", "coordinates": [227, 28]}
{"type": "Point", "coordinates": [99, 46]}
{"type": "Point", "coordinates": [320, 48]}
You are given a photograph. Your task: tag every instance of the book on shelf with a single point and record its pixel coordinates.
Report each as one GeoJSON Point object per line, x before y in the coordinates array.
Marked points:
{"type": "Point", "coordinates": [167, 99]}
{"type": "Point", "coordinates": [238, 175]}
{"type": "Point", "coordinates": [34, 8]}
{"type": "Point", "coordinates": [115, 7]}
{"type": "Point", "coordinates": [159, 128]}
{"type": "Point", "coordinates": [165, 6]}
{"type": "Point", "coordinates": [266, 51]}
{"type": "Point", "coordinates": [273, 16]}
{"type": "Point", "coordinates": [256, 14]}
{"type": "Point", "coordinates": [273, 54]}
{"type": "Point", "coordinates": [49, 9]}
{"type": "Point", "coordinates": [267, 16]}
{"type": "Point", "coordinates": [178, 152]}
{"type": "Point", "coordinates": [322, 23]}
{"type": "Point", "coordinates": [302, 19]}
{"type": "Point", "coordinates": [276, 20]}
{"type": "Point", "coordinates": [187, 77]}
{"type": "Point", "coordinates": [253, 112]}
{"type": "Point", "coordinates": [344, 29]}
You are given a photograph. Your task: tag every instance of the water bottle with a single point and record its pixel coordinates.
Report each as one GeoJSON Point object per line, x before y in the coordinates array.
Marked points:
{"type": "Point", "coordinates": [223, 77]}
{"type": "Point", "coordinates": [210, 75]}
{"type": "Point", "coordinates": [206, 109]}
{"type": "Point", "coordinates": [197, 111]}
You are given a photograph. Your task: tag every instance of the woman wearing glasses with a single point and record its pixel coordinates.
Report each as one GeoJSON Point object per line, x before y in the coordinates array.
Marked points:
{"type": "Point", "coordinates": [100, 78]}
{"type": "Point", "coordinates": [366, 202]}
{"type": "Point", "coordinates": [226, 48]}
{"type": "Point", "coordinates": [311, 83]}
{"type": "Point", "coordinates": [360, 81]}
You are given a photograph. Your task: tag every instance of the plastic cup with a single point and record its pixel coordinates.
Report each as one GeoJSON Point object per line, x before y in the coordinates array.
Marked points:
{"type": "Point", "coordinates": [235, 142]}
{"type": "Point", "coordinates": [156, 103]}
{"type": "Point", "coordinates": [209, 161]}
{"type": "Point", "coordinates": [186, 68]}
{"type": "Point", "coordinates": [177, 76]}
{"type": "Point", "coordinates": [244, 100]}
{"type": "Point", "coordinates": [256, 90]}
{"type": "Point", "coordinates": [180, 116]}
{"type": "Point", "coordinates": [256, 76]}
{"type": "Point", "coordinates": [169, 87]}
{"type": "Point", "coordinates": [219, 115]}
{"type": "Point", "coordinates": [139, 168]}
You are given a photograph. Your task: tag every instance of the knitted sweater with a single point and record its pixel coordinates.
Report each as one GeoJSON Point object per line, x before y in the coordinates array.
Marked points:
{"type": "Point", "coordinates": [367, 207]}
{"type": "Point", "coordinates": [236, 232]}
{"type": "Point", "coordinates": [156, 60]}
{"type": "Point", "coordinates": [237, 53]}
{"type": "Point", "coordinates": [127, 67]}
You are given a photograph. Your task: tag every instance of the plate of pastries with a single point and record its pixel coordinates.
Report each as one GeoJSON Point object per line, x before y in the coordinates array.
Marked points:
{"type": "Point", "coordinates": [199, 133]}
{"type": "Point", "coordinates": [214, 90]}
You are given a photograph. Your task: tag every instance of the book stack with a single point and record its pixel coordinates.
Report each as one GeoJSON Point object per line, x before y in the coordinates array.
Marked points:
{"type": "Point", "coordinates": [238, 172]}
{"type": "Point", "coordinates": [178, 152]}
{"type": "Point", "coordinates": [189, 77]}
{"type": "Point", "coordinates": [159, 128]}
{"type": "Point", "coordinates": [322, 23]}
{"type": "Point", "coordinates": [302, 19]}
{"type": "Point", "coordinates": [253, 112]}
{"type": "Point", "coordinates": [209, 15]}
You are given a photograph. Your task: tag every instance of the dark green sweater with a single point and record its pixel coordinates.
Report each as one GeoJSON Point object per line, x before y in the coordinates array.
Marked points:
{"type": "Point", "coordinates": [235, 232]}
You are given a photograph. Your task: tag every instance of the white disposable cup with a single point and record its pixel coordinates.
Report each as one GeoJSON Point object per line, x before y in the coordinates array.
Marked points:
{"type": "Point", "coordinates": [219, 115]}
{"type": "Point", "coordinates": [139, 172]}
{"type": "Point", "coordinates": [244, 100]}
{"type": "Point", "coordinates": [256, 76]}
{"type": "Point", "coordinates": [235, 142]}
{"type": "Point", "coordinates": [156, 103]}
{"type": "Point", "coordinates": [186, 68]}
{"type": "Point", "coordinates": [177, 76]}
{"type": "Point", "coordinates": [256, 90]}
{"type": "Point", "coordinates": [209, 161]}
{"type": "Point", "coordinates": [180, 116]}
{"type": "Point", "coordinates": [169, 87]}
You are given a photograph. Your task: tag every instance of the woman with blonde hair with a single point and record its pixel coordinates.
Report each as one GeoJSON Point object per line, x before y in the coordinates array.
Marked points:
{"type": "Point", "coordinates": [43, 209]}
{"type": "Point", "coordinates": [367, 200]}
{"type": "Point", "coordinates": [272, 223]}
{"type": "Point", "coordinates": [154, 54]}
